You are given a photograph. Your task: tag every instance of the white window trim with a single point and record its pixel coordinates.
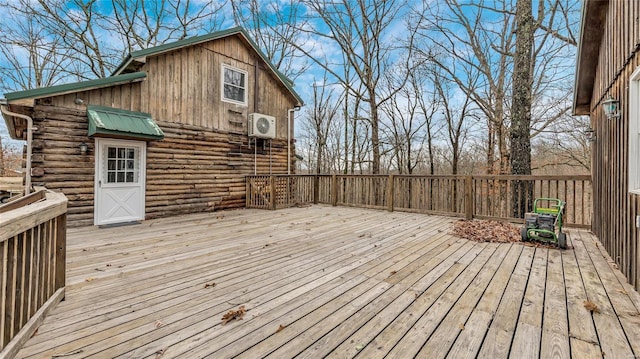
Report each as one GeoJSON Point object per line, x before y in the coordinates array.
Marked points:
{"type": "Point", "coordinates": [246, 87]}
{"type": "Point", "coordinates": [634, 133]}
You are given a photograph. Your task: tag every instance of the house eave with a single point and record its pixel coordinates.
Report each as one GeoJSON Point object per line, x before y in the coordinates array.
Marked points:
{"type": "Point", "coordinates": [591, 32]}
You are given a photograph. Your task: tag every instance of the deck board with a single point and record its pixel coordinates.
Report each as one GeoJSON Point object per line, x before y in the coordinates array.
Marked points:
{"type": "Point", "coordinates": [330, 281]}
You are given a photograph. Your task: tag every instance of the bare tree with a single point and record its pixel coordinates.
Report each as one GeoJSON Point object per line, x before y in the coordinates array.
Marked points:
{"type": "Point", "coordinates": [87, 39]}
{"type": "Point", "coordinates": [477, 37]}
{"type": "Point", "coordinates": [363, 31]}
{"type": "Point", "coordinates": [144, 23]}
{"type": "Point", "coordinates": [463, 40]}
{"type": "Point", "coordinates": [521, 106]}
{"type": "Point", "coordinates": [32, 56]}
{"type": "Point", "coordinates": [456, 112]}
{"type": "Point", "coordinates": [409, 120]}
{"type": "Point", "coordinates": [563, 145]}
{"type": "Point", "coordinates": [321, 119]}
{"type": "Point", "coordinates": [275, 26]}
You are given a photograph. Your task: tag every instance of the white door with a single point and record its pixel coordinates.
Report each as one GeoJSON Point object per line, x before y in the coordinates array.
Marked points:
{"type": "Point", "coordinates": [119, 181]}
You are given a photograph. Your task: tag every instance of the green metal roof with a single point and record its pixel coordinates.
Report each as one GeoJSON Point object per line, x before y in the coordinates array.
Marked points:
{"type": "Point", "coordinates": [140, 54]}
{"type": "Point", "coordinates": [112, 122]}
{"type": "Point", "coordinates": [75, 86]}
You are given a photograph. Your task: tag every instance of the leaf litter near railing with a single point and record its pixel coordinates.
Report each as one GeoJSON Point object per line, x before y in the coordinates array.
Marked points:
{"type": "Point", "coordinates": [493, 232]}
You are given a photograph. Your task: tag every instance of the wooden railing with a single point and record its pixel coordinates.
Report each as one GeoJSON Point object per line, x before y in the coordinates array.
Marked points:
{"type": "Point", "coordinates": [485, 197]}
{"type": "Point", "coordinates": [32, 263]}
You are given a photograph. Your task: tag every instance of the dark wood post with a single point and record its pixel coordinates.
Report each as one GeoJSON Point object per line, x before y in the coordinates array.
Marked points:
{"type": "Point", "coordinates": [316, 189]}
{"type": "Point", "coordinates": [468, 197]}
{"type": "Point", "coordinates": [390, 194]}
{"type": "Point", "coordinates": [272, 179]}
{"type": "Point", "coordinates": [61, 250]}
{"type": "Point", "coordinates": [334, 190]}
{"type": "Point", "coordinates": [247, 191]}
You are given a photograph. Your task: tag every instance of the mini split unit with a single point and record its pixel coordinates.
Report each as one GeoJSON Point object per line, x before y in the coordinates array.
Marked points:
{"type": "Point", "coordinates": [262, 126]}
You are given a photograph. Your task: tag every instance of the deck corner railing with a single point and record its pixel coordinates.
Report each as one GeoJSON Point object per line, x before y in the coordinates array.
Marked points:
{"type": "Point", "coordinates": [484, 197]}
{"type": "Point", "coordinates": [32, 263]}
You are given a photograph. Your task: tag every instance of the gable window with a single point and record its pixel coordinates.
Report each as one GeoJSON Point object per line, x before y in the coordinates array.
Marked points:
{"type": "Point", "coordinates": [234, 85]}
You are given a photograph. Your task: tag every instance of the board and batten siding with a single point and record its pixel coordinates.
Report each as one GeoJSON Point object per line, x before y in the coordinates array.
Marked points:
{"type": "Point", "coordinates": [201, 163]}
{"type": "Point", "coordinates": [184, 86]}
{"type": "Point", "coordinates": [615, 209]}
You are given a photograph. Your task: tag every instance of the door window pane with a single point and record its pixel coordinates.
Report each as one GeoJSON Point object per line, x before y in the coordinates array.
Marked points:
{"type": "Point", "coordinates": [122, 164]}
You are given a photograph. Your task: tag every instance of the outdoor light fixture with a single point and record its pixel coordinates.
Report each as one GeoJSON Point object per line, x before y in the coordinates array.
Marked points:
{"type": "Point", "coordinates": [83, 148]}
{"type": "Point", "coordinates": [590, 134]}
{"type": "Point", "coordinates": [610, 106]}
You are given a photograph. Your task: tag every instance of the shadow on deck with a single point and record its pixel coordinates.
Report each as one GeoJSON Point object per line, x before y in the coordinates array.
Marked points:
{"type": "Point", "coordinates": [333, 281]}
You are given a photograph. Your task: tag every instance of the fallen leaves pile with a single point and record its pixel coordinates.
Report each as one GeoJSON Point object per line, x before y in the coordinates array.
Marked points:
{"type": "Point", "coordinates": [487, 231]}
{"type": "Point", "coordinates": [233, 314]}
{"type": "Point", "coordinates": [494, 232]}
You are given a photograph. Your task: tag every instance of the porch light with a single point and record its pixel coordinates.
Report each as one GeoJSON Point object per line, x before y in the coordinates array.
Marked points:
{"type": "Point", "coordinates": [83, 148]}
{"type": "Point", "coordinates": [590, 134]}
{"type": "Point", "coordinates": [610, 107]}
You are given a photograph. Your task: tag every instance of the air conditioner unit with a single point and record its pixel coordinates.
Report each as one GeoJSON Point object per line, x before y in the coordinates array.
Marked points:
{"type": "Point", "coordinates": [263, 126]}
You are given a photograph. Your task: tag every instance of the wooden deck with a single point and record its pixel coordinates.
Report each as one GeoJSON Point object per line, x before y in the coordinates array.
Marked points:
{"type": "Point", "coordinates": [338, 282]}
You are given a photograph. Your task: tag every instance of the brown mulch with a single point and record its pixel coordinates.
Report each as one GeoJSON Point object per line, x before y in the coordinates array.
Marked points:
{"type": "Point", "coordinates": [493, 232]}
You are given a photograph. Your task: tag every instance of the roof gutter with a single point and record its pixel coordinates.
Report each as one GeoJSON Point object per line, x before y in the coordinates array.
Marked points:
{"type": "Point", "coordinates": [30, 128]}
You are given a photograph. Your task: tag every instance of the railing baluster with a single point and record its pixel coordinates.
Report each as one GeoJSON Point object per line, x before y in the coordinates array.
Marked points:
{"type": "Point", "coordinates": [490, 197]}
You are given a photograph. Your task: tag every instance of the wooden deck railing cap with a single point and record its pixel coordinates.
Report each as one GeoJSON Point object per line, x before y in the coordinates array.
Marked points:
{"type": "Point", "coordinates": [20, 219]}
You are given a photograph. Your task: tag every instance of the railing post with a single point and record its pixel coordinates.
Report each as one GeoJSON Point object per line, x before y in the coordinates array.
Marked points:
{"type": "Point", "coordinates": [468, 200]}
{"type": "Point", "coordinates": [390, 194]}
{"type": "Point", "coordinates": [272, 179]}
{"type": "Point", "coordinates": [316, 189]}
{"type": "Point", "coordinates": [61, 250]}
{"type": "Point", "coordinates": [334, 190]}
{"type": "Point", "coordinates": [247, 191]}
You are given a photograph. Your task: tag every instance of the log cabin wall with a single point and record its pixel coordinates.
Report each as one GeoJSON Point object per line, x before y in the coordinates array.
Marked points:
{"type": "Point", "coordinates": [201, 163]}
{"type": "Point", "coordinates": [615, 209]}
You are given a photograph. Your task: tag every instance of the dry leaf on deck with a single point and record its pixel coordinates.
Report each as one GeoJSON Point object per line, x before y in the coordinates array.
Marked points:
{"type": "Point", "coordinates": [591, 306]}
{"type": "Point", "coordinates": [68, 354]}
{"type": "Point", "coordinates": [90, 279]}
{"type": "Point", "coordinates": [461, 326]}
{"type": "Point", "coordinates": [159, 324]}
{"type": "Point", "coordinates": [233, 314]}
{"type": "Point", "coordinates": [160, 352]}
{"type": "Point", "coordinates": [207, 285]}
{"type": "Point", "coordinates": [280, 328]}
{"type": "Point", "coordinates": [393, 272]}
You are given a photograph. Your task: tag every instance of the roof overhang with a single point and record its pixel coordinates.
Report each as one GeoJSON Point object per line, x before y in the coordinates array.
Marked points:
{"type": "Point", "coordinates": [28, 97]}
{"type": "Point", "coordinates": [21, 101]}
{"type": "Point", "coordinates": [117, 123]}
{"type": "Point", "coordinates": [594, 14]}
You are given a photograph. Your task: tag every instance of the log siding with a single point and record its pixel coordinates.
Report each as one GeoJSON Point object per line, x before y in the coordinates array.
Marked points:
{"type": "Point", "coordinates": [193, 169]}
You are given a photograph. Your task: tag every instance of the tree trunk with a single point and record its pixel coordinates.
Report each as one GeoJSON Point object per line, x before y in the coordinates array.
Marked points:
{"type": "Point", "coordinates": [375, 139]}
{"type": "Point", "coordinates": [521, 106]}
